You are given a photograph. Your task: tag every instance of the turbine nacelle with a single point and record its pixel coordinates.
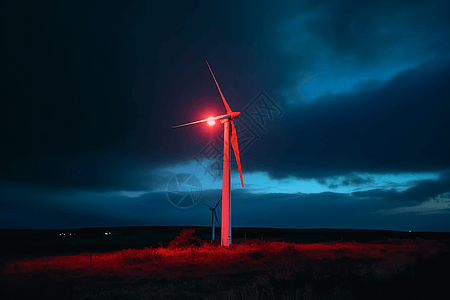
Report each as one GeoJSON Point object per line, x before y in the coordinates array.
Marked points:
{"type": "Point", "coordinates": [231, 116]}
{"type": "Point", "coordinates": [234, 115]}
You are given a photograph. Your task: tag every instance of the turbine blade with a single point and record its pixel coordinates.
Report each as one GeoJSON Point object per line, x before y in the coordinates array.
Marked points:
{"type": "Point", "coordinates": [221, 95]}
{"type": "Point", "coordinates": [217, 203]}
{"type": "Point", "coordinates": [205, 204]}
{"type": "Point", "coordinates": [217, 220]}
{"type": "Point", "coordinates": [221, 117]}
{"type": "Point", "coordinates": [234, 144]}
{"type": "Point", "coordinates": [192, 123]}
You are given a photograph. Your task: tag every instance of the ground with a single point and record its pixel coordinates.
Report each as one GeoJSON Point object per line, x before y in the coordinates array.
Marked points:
{"type": "Point", "coordinates": [385, 268]}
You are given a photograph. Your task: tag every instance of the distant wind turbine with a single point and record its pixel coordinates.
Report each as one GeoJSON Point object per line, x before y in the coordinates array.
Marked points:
{"type": "Point", "coordinates": [227, 121]}
{"type": "Point", "coordinates": [213, 215]}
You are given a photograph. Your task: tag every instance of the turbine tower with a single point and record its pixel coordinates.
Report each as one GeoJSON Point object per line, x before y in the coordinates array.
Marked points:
{"type": "Point", "coordinates": [228, 136]}
{"type": "Point", "coordinates": [213, 215]}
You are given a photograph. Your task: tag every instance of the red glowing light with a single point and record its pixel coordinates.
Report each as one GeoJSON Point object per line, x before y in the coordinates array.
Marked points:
{"type": "Point", "coordinates": [211, 121]}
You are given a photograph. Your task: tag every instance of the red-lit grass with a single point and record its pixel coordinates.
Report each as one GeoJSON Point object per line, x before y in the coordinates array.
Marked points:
{"type": "Point", "coordinates": [278, 270]}
{"type": "Point", "coordinates": [209, 257]}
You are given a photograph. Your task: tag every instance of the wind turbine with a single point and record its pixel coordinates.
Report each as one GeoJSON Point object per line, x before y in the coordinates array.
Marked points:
{"type": "Point", "coordinates": [227, 121]}
{"type": "Point", "coordinates": [213, 215]}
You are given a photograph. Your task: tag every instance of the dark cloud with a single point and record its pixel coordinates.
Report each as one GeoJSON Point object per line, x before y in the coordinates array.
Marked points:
{"type": "Point", "coordinates": [400, 127]}
{"type": "Point", "coordinates": [92, 83]}
{"type": "Point", "coordinates": [25, 207]}
{"type": "Point", "coordinates": [366, 32]}
{"type": "Point", "coordinates": [43, 208]}
{"type": "Point", "coordinates": [356, 180]}
{"type": "Point", "coordinates": [422, 191]}
{"type": "Point", "coordinates": [348, 38]}
{"type": "Point", "coordinates": [38, 207]}
{"type": "Point", "coordinates": [327, 210]}
{"type": "Point", "coordinates": [95, 172]}
{"type": "Point", "coordinates": [349, 180]}
{"type": "Point", "coordinates": [91, 91]}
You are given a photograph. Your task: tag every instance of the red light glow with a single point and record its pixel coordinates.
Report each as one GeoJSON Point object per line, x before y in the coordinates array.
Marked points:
{"type": "Point", "coordinates": [211, 121]}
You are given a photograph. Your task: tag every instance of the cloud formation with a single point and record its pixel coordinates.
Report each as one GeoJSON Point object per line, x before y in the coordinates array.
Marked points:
{"type": "Point", "coordinates": [420, 192]}
{"type": "Point", "coordinates": [400, 127]}
{"type": "Point", "coordinates": [91, 96]}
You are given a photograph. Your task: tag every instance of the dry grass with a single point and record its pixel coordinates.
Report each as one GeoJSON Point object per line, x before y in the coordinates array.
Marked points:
{"type": "Point", "coordinates": [252, 270]}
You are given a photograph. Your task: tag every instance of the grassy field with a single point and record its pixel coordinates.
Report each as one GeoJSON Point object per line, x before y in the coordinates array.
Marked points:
{"type": "Point", "coordinates": [191, 268]}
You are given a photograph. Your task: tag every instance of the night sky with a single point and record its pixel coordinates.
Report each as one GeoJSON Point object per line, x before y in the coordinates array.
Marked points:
{"type": "Point", "coordinates": [345, 113]}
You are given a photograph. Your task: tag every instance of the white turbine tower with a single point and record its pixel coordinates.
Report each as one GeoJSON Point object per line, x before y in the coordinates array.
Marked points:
{"type": "Point", "coordinates": [227, 121]}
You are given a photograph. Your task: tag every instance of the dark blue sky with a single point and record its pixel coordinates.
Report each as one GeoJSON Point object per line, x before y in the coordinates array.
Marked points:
{"type": "Point", "coordinates": [345, 113]}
